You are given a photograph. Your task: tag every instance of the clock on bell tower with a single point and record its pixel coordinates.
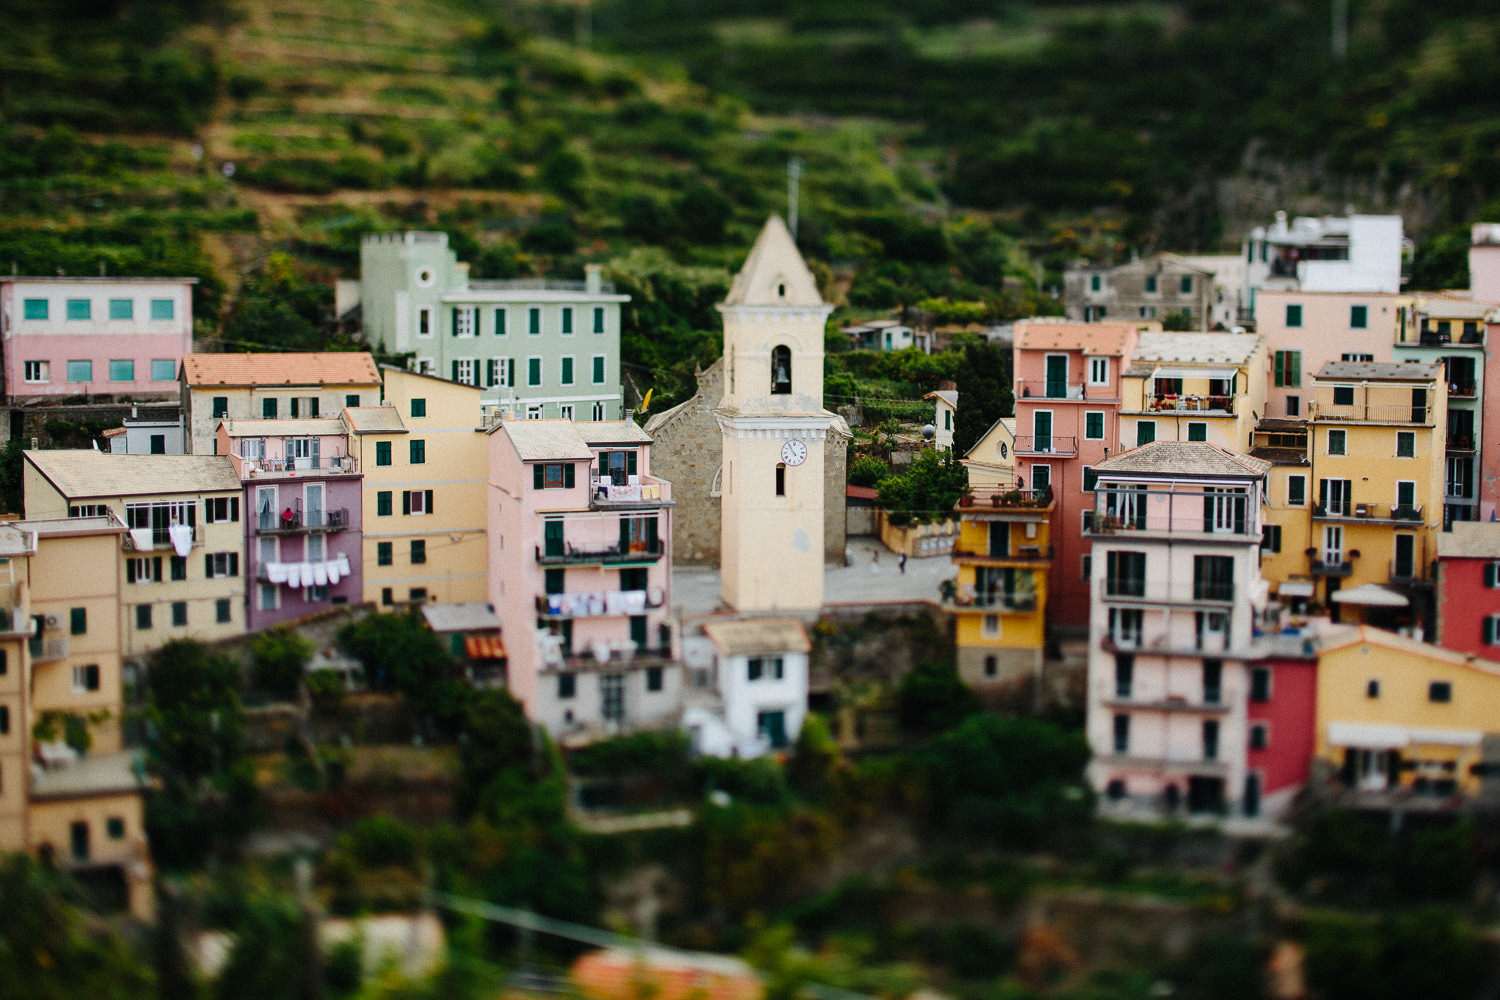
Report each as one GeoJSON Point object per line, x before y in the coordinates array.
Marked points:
{"type": "Point", "coordinates": [774, 431]}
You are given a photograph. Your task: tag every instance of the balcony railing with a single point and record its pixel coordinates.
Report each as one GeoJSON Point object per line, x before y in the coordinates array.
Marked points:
{"type": "Point", "coordinates": [1180, 641]}
{"type": "Point", "coordinates": [1169, 703]}
{"type": "Point", "coordinates": [568, 555]}
{"type": "Point", "coordinates": [1413, 572]}
{"type": "Point", "coordinates": [14, 621]}
{"type": "Point", "coordinates": [1340, 510]}
{"type": "Point", "coordinates": [1001, 499]}
{"type": "Point", "coordinates": [1191, 404]}
{"type": "Point", "coordinates": [1031, 444]}
{"type": "Point", "coordinates": [282, 466]}
{"type": "Point", "coordinates": [1463, 443]}
{"type": "Point", "coordinates": [1462, 390]}
{"type": "Point", "coordinates": [289, 521]}
{"type": "Point", "coordinates": [1372, 413]}
{"type": "Point", "coordinates": [995, 601]}
{"type": "Point", "coordinates": [1322, 567]}
{"type": "Point", "coordinates": [1061, 389]}
{"type": "Point", "coordinates": [645, 490]}
{"type": "Point", "coordinates": [135, 539]}
{"type": "Point", "coordinates": [48, 648]}
{"type": "Point", "coordinates": [1186, 765]}
{"type": "Point", "coordinates": [1220, 514]}
{"type": "Point", "coordinates": [599, 604]}
{"type": "Point", "coordinates": [1140, 591]}
{"type": "Point", "coordinates": [1020, 553]}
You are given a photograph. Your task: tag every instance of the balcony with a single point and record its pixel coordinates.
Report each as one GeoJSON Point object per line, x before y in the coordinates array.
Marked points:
{"type": "Point", "coordinates": [1191, 404]}
{"type": "Point", "coordinates": [1413, 573]}
{"type": "Point", "coordinates": [1031, 444]}
{"type": "Point", "coordinates": [642, 491]}
{"type": "Point", "coordinates": [1061, 389]}
{"type": "Point", "coordinates": [1169, 703]}
{"type": "Point", "coordinates": [1013, 601]}
{"type": "Point", "coordinates": [14, 621]}
{"type": "Point", "coordinates": [604, 655]}
{"type": "Point", "coordinates": [1188, 765]}
{"type": "Point", "coordinates": [599, 604]}
{"type": "Point", "coordinates": [1463, 390]}
{"type": "Point", "coordinates": [1036, 504]}
{"type": "Point", "coordinates": [48, 649]}
{"type": "Point", "coordinates": [1139, 591]}
{"type": "Point", "coordinates": [1327, 567]}
{"type": "Point", "coordinates": [1020, 554]}
{"type": "Point", "coordinates": [1460, 444]}
{"type": "Point", "coordinates": [1215, 515]}
{"type": "Point", "coordinates": [567, 555]}
{"type": "Point", "coordinates": [157, 539]}
{"type": "Point", "coordinates": [322, 465]}
{"type": "Point", "coordinates": [292, 521]}
{"type": "Point", "coordinates": [1371, 513]}
{"type": "Point", "coordinates": [1318, 410]}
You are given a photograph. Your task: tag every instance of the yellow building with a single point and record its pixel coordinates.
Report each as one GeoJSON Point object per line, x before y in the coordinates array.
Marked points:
{"type": "Point", "coordinates": [1193, 387]}
{"type": "Point", "coordinates": [1004, 553]}
{"type": "Point", "coordinates": [1376, 452]}
{"type": "Point", "coordinates": [992, 460]}
{"type": "Point", "coordinates": [84, 807]}
{"type": "Point", "coordinates": [1395, 715]}
{"type": "Point", "coordinates": [179, 562]}
{"type": "Point", "coordinates": [1288, 530]}
{"type": "Point", "coordinates": [425, 458]}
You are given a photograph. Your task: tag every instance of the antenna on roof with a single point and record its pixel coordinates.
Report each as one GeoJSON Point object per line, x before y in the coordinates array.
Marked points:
{"type": "Point", "coordinates": [793, 175]}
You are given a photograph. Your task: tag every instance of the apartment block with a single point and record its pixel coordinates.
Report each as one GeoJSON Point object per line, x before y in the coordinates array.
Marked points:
{"type": "Point", "coordinates": [218, 387]}
{"type": "Point", "coordinates": [580, 543]}
{"type": "Point", "coordinates": [1468, 589]}
{"type": "Point", "coordinates": [1193, 387]}
{"type": "Point", "coordinates": [179, 561]}
{"type": "Point", "coordinates": [94, 336]}
{"type": "Point", "coordinates": [1151, 288]}
{"type": "Point", "coordinates": [538, 348]}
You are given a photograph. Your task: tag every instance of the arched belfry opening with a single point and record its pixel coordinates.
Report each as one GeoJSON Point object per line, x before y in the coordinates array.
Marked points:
{"type": "Point", "coordinates": [781, 370]}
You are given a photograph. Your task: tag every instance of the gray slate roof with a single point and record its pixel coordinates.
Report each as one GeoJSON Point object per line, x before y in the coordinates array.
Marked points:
{"type": "Point", "coordinates": [1194, 348]}
{"type": "Point", "coordinates": [375, 420]}
{"type": "Point", "coordinates": [1195, 458]}
{"type": "Point", "coordinates": [622, 432]}
{"type": "Point", "coordinates": [88, 473]}
{"type": "Point", "coordinates": [554, 440]}
{"type": "Point", "coordinates": [1470, 540]}
{"type": "Point", "coordinates": [1378, 371]}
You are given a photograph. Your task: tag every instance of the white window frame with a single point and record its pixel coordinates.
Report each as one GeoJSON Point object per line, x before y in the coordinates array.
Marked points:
{"type": "Point", "coordinates": [564, 362]}
{"type": "Point", "coordinates": [533, 411]}
{"type": "Point", "coordinates": [1289, 501]}
{"type": "Point", "coordinates": [424, 319]}
{"type": "Point", "coordinates": [468, 370]}
{"type": "Point", "coordinates": [599, 411]}
{"type": "Point", "coordinates": [565, 321]}
{"type": "Point", "coordinates": [565, 411]}
{"type": "Point", "coordinates": [502, 321]}
{"type": "Point", "coordinates": [1413, 436]}
{"type": "Point", "coordinates": [418, 503]}
{"type": "Point", "coordinates": [1103, 421]}
{"type": "Point", "coordinates": [592, 366]}
{"type": "Point", "coordinates": [541, 374]}
{"type": "Point", "coordinates": [465, 322]}
{"type": "Point", "coordinates": [1343, 439]}
{"type": "Point", "coordinates": [600, 321]}
{"type": "Point", "coordinates": [534, 311]}
{"type": "Point", "coordinates": [42, 368]}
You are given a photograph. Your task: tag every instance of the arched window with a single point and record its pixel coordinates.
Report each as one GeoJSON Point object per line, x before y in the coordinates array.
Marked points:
{"type": "Point", "coordinates": [781, 479]}
{"type": "Point", "coordinates": [781, 370]}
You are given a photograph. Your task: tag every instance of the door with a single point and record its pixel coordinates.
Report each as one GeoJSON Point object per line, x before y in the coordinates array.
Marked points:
{"type": "Point", "coordinates": [78, 837]}
{"type": "Point", "coordinates": [1406, 499]}
{"type": "Point", "coordinates": [999, 539]}
{"type": "Point", "coordinates": [1041, 427]}
{"type": "Point", "coordinates": [1404, 565]}
{"type": "Point", "coordinates": [313, 516]}
{"type": "Point", "coordinates": [638, 632]}
{"type": "Point", "coordinates": [1205, 795]}
{"type": "Point", "coordinates": [1057, 376]}
{"type": "Point", "coordinates": [1252, 794]}
{"type": "Point", "coordinates": [1333, 545]}
{"type": "Point", "coordinates": [1419, 406]}
{"type": "Point", "coordinates": [552, 538]}
{"type": "Point", "coordinates": [772, 728]}
{"type": "Point", "coordinates": [612, 697]}
{"type": "Point", "coordinates": [265, 507]}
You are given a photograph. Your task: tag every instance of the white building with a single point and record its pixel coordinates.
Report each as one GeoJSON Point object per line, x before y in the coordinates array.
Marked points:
{"type": "Point", "coordinates": [758, 669]}
{"type": "Point", "coordinates": [1356, 253]}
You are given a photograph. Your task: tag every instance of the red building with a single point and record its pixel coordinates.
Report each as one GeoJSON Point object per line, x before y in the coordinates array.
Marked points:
{"type": "Point", "coordinates": [1468, 589]}
{"type": "Point", "coordinates": [1067, 390]}
{"type": "Point", "coordinates": [1281, 719]}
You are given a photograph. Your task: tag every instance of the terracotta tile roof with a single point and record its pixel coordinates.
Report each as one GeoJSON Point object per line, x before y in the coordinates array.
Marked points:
{"type": "Point", "coordinates": [753, 636]}
{"type": "Point", "coordinates": [318, 368]}
{"type": "Point", "coordinates": [1184, 458]}
{"type": "Point", "coordinates": [1090, 338]}
{"type": "Point", "coordinates": [624, 974]}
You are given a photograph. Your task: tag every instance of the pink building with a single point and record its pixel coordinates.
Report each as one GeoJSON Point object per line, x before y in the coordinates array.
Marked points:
{"type": "Point", "coordinates": [94, 336]}
{"type": "Point", "coordinates": [303, 544]}
{"type": "Point", "coordinates": [1489, 416]}
{"type": "Point", "coordinates": [1067, 392]}
{"type": "Point", "coordinates": [1468, 589]}
{"type": "Point", "coordinates": [1305, 330]}
{"type": "Point", "coordinates": [580, 574]}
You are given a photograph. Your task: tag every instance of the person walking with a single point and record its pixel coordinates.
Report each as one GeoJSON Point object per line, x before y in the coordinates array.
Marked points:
{"type": "Point", "coordinates": [901, 564]}
{"type": "Point", "coordinates": [875, 561]}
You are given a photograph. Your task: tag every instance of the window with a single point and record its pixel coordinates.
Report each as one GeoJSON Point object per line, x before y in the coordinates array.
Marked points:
{"type": "Point", "coordinates": [1343, 395]}
{"type": "Point", "coordinates": [383, 503]}
{"type": "Point", "coordinates": [1260, 684]}
{"type": "Point", "coordinates": [554, 581]}
{"type": "Point", "coordinates": [221, 564]}
{"type": "Point", "coordinates": [1337, 442]}
{"type": "Point", "coordinates": [1090, 477]}
{"type": "Point", "coordinates": [80, 309]}
{"type": "Point", "coordinates": [553, 476]}
{"type": "Point", "coordinates": [122, 371]}
{"type": "Point", "coordinates": [88, 510]}
{"type": "Point", "coordinates": [267, 594]}
{"type": "Point", "coordinates": [565, 411]}
{"type": "Point", "coordinates": [163, 309]}
{"type": "Point", "coordinates": [143, 569]}
{"type": "Point", "coordinates": [1259, 736]}
{"type": "Point", "coordinates": [1150, 284]}
{"type": "Point", "coordinates": [654, 677]}
{"type": "Point", "coordinates": [217, 509]}
{"type": "Point", "coordinates": [1098, 371]}
{"type": "Point", "coordinates": [1293, 406]}
{"type": "Point", "coordinates": [533, 411]}
{"type": "Point", "coordinates": [1213, 681]}
{"type": "Point", "coordinates": [179, 613]}
{"type": "Point", "coordinates": [220, 407]}
{"type": "Point", "coordinates": [221, 610]}
{"type": "Point", "coordinates": [1210, 739]}
{"type": "Point", "coordinates": [80, 371]}
{"type": "Point", "coordinates": [567, 684]}
{"type": "Point", "coordinates": [4, 720]}
{"type": "Point", "coordinates": [1270, 538]}
{"type": "Point", "coordinates": [1406, 444]}
{"type": "Point", "coordinates": [382, 453]}
{"type": "Point", "coordinates": [500, 371]}
{"type": "Point", "coordinates": [419, 408]}
{"type": "Point", "coordinates": [534, 322]}
{"type": "Point", "coordinates": [567, 370]}
{"type": "Point", "coordinates": [416, 502]}
{"type": "Point", "coordinates": [781, 370]}
{"type": "Point", "coordinates": [598, 319]}
{"type": "Point", "coordinates": [1186, 285]}
{"type": "Point", "coordinates": [533, 371]}
{"type": "Point", "coordinates": [1359, 317]}
{"type": "Point", "coordinates": [387, 596]}
{"type": "Point", "coordinates": [598, 411]}
{"type": "Point", "coordinates": [500, 326]}
{"type": "Point", "coordinates": [1213, 578]}
{"type": "Point", "coordinates": [466, 371]}
{"type": "Point", "coordinates": [781, 479]}
{"type": "Point", "coordinates": [351, 399]}
{"type": "Point", "coordinates": [1440, 691]}
{"type": "Point", "coordinates": [78, 621]}
{"type": "Point", "coordinates": [304, 406]}
{"type": "Point", "coordinates": [177, 568]}
{"type": "Point", "coordinates": [268, 408]}
{"type": "Point", "coordinates": [417, 450]}
{"type": "Point", "coordinates": [1145, 432]}
{"type": "Point", "coordinates": [991, 626]}
{"type": "Point", "coordinates": [1287, 368]}
{"type": "Point", "coordinates": [765, 668]}
{"type": "Point", "coordinates": [35, 309]}
{"type": "Point", "coordinates": [1095, 282]}
{"type": "Point", "coordinates": [424, 321]}
{"type": "Point", "coordinates": [1293, 315]}
{"type": "Point", "coordinates": [1124, 674]}
{"type": "Point", "coordinates": [567, 321]}
{"type": "Point", "coordinates": [86, 678]}
{"type": "Point", "coordinates": [1356, 357]}
{"type": "Point", "coordinates": [1122, 733]}
{"type": "Point", "coordinates": [383, 554]}
{"type": "Point", "coordinates": [1372, 688]}
{"type": "Point", "coordinates": [1296, 491]}
{"type": "Point", "coordinates": [37, 371]}
{"type": "Point", "coordinates": [1490, 634]}
{"type": "Point", "coordinates": [143, 616]}
{"type": "Point", "coordinates": [1093, 425]}
{"type": "Point", "coordinates": [163, 370]}
{"type": "Point", "coordinates": [598, 369]}
{"type": "Point", "coordinates": [1197, 430]}
{"type": "Point", "coordinates": [463, 320]}
{"type": "Point", "coordinates": [1125, 574]}
{"type": "Point", "coordinates": [122, 309]}
{"type": "Point", "coordinates": [115, 827]}
{"type": "Point", "coordinates": [418, 551]}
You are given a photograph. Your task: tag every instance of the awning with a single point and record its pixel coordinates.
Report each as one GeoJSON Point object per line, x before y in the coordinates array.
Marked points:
{"type": "Point", "coordinates": [1372, 736]}
{"type": "Point", "coordinates": [1296, 588]}
{"type": "Point", "coordinates": [1372, 595]}
{"type": "Point", "coordinates": [484, 647]}
{"type": "Point", "coordinates": [1183, 371]}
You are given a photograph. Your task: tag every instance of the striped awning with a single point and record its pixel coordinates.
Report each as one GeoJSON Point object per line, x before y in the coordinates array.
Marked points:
{"type": "Point", "coordinates": [484, 647]}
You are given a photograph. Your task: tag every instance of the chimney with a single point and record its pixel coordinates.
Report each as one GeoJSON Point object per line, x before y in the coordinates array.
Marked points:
{"type": "Point", "coordinates": [592, 278]}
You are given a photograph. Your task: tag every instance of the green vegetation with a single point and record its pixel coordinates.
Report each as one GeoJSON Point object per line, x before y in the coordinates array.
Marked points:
{"type": "Point", "coordinates": [278, 659]}
{"type": "Point", "coordinates": [926, 492]}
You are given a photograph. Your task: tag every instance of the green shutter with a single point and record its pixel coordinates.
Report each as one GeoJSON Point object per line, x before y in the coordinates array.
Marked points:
{"type": "Point", "coordinates": [455, 371]}
{"type": "Point", "coordinates": [406, 501]}
{"type": "Point", "coordinates": [1294, 368]}
{"type": "Point", "coordinates": [651, 534]}
{"type": "Point", "coordinates": [1488, 630]}
{"type": "Point", "coordinates": [630, 463]}
{"type": "Point", "coordinates": [427, 498]}
{"type": "Point", "coordinates": [536, 476]}
{"type": "Point", "coordinates": [1489, 575]}
{"type": "Point", "coordinates": [455, 321]}
{"type": "Point", "coordinates": [624, 535]}
{"type": "Point", "coordinates": [568, 476]}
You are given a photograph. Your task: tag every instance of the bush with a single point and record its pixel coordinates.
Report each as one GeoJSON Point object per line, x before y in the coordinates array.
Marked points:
{"type": "Point", "coordinates": [278, 658]}
{"type": "Point", "coordinates": [867, 471]}
{"type": "Point", "coordinates": [933, 699]}
{"type": "Point", "coordinates": [382, 842]}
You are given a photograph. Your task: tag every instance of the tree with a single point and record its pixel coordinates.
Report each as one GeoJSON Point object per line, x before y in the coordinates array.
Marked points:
{"type": "Point", "coordinates": [926, 492]}
{"type": "Point", "coordinates": [932, 698]}
{"type": "Point", "coordinates": [984, 393]}
{"type": "Point", "coordinates": [1178, 319]}
{"type": "Point", "coordinates": [497, 737]}
{"type": "Point", "coordinates": [279, 657]}
{"type": "Point", "coordinates": [400, 653]}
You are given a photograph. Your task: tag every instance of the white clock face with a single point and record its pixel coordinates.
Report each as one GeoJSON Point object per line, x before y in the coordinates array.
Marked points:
{"type": "Point", "coordinates": [794, 452]}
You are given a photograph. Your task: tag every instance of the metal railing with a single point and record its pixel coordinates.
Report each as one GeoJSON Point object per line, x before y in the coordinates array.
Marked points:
{"type": "Point", "coordinates": [1000, 498]}
{"type": "Point", "coordinates": [322, 463]}
{"type": "Point", "coordinates": [1386, 413]}
{"type": "Point", "coordinates": [567, 554]}
{"type": "Point", "coordinates": [1349, 510]}
{"type": "Point", "coordinates": [599, 604]}
{"type": "Point", "coordinates": [1139, 590]}
{"type": "Point", "coordinates": [1054, 389]}
{"type": "Point", "coordinates": [1032, 444]}
{"type": "Point", "coordinates": [333, 519]}
{"type": "Point", "coordinates": [1117, 511]}
{"type": "Point", "coordinates": [1321, 567]}
{"type": "Point", "coordinates": [1020, 553]}
{"type": "Point", "coordinates": [645, 489]}
{"type": "Point", "coordinates": [995, 601]}
{"type": "Point", "coordinates": [161, 538]}
{"type": "Point", "coordinates": [1191, 404]}
{"type": "Point", "coordinates": [48, 648]}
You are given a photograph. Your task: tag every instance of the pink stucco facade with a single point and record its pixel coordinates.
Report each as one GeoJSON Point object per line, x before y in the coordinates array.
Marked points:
{"type": "Point", "coordinates": [1318, 327]}
{"type": "Point", "coordinates": [94, 336]}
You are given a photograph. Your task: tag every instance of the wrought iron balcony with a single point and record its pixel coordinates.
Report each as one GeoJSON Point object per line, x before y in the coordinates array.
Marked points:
{"type": "Point", "coordinates": [567, 555]}
{"type": "Point", "coordinates": [1051, 444]}
{"type": "Point", "coordinates": [291, 521]}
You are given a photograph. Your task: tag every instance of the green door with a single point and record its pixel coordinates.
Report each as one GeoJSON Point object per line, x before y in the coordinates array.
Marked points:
{"type": "Point", "coordinates": [772, 726]}
{"type": "Point", "coordinates": [1057, 376]}
{"type": "Point", "coordinates": [552, 538]}
{"type": "Point", "coordinates": [638, 632]}
{"type": "Point", "coordinates": [1041, 426]}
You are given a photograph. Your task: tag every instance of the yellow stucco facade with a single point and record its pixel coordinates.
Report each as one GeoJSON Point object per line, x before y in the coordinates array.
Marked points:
{"type": "Point", "coordinates": [413, 551]}
{"type": "Point", "coordinates": [992, 461]}
{"type": "Point", "coordinates": [1193, 387]}
{"type": "Point", "coordinates": [1003, 553]}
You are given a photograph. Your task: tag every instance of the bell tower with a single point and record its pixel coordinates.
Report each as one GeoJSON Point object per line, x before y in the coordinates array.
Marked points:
{"type": "Point", "coordinates": [774, 431]}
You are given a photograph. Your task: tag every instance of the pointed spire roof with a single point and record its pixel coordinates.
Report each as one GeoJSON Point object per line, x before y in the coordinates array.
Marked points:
{"type": "Point", "coordinates": [774, 274]}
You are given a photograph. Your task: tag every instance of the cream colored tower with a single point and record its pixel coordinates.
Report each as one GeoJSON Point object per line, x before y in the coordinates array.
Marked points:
{"type": "Point", "coordinates": [775, 429]}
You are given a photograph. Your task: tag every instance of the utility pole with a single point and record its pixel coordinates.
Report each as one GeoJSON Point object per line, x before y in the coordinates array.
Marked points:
{"type": "Point", "coordinates": [793, 176]}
